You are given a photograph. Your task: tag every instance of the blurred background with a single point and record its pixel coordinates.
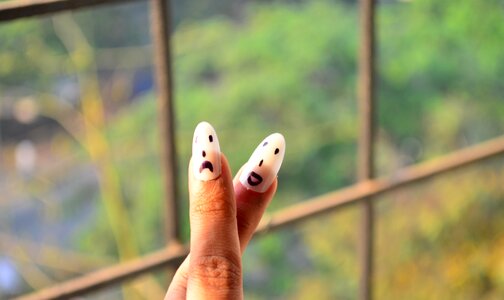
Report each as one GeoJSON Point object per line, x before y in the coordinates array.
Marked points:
{"type": "Point", "coordinates": [80, 185]}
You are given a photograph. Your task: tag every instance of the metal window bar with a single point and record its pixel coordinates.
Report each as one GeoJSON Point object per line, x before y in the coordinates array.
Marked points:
{"type": "Point", "coordinates": [360, 193]}
{"type": "Point", "coordinates": [160, 30]}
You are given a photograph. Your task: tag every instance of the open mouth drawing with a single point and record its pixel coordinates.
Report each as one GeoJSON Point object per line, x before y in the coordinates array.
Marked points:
{"type": "Point", "coordinates": [206, 165]}
{"type": "Point", "coordinates": [254, 179]}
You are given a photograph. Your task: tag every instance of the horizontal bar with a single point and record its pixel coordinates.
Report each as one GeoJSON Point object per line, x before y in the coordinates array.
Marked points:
{"type": "Point", "coordinates": [17, 9]}
{"type": "Point", "coordinates": [285, 217]}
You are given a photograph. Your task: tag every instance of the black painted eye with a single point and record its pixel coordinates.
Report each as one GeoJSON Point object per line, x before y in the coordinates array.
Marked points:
{"type": "Point", "coordinates": [276, 151]}
{"type": "Point", "coordinates": [204, 153]}
{"type": "Point", "coordinates": [261, 162]}
{"type": "Point", "coordinates": [265, 143]}
{"type": "Point", "coordinates": [210, 137]}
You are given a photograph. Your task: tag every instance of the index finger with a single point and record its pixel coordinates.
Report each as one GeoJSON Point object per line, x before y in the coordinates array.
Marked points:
{"type": "Point", "coordinates": [255, 184]}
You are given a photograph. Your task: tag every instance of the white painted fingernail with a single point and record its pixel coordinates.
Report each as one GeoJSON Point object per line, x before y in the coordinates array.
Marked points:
{"type": "Point", "coordinates": [264, 164]}
{"type": "Point", "coordinates": [206, 158]}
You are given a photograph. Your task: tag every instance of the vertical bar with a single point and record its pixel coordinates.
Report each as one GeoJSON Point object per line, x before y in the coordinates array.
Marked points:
{"type": "Point", "coordinates": [160, 31]}
{"type": "Point", "coordinates": [365, 168]}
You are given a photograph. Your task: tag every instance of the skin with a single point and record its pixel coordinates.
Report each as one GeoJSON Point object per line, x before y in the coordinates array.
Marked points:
{"type": "Point", "coordinates": [223, 217]}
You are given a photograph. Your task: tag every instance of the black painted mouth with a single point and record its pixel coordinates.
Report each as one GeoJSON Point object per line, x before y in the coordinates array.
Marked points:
{"type": "Point", "coordinates": [254, 179]}
{"type": "Point", "coordinates": [206, 165]}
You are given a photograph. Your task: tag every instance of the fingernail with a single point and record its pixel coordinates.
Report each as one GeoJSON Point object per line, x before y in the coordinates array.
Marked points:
{"type": "Point", "coordinates": [264, 164]}
{"type": "Point", "coordinates": [206, 160]}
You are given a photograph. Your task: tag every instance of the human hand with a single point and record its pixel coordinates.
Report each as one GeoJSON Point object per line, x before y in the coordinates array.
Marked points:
{"type": "Point", "coordinates": [224, 214]}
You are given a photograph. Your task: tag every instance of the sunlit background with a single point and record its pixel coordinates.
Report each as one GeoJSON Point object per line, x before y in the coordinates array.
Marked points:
{"type": "Point", "coordinates": [80, 181]}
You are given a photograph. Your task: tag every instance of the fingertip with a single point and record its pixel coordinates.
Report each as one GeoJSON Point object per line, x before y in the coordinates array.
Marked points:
{"type": "Point", "coordinates": [263, 165]}
{"type": "Point", "coordinates": [206, 153]}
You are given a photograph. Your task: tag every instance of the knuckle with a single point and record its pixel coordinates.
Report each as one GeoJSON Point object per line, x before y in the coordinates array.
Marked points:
{"type": "Point", "coordinates": [216, 271]}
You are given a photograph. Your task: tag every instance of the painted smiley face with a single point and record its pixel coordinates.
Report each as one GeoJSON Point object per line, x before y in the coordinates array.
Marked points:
{"type": "Point", "coordinates": [206, 164]}
{"type": "Point", "coordinates": [254, 178]}
{"type": "Point", "coordinates": [263, 165]}
{"type": "Point", "coordinates": [206, 152]}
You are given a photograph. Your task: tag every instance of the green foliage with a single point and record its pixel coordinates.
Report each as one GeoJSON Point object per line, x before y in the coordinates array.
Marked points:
{"type": "Point", "coordinates": [434, 52]}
